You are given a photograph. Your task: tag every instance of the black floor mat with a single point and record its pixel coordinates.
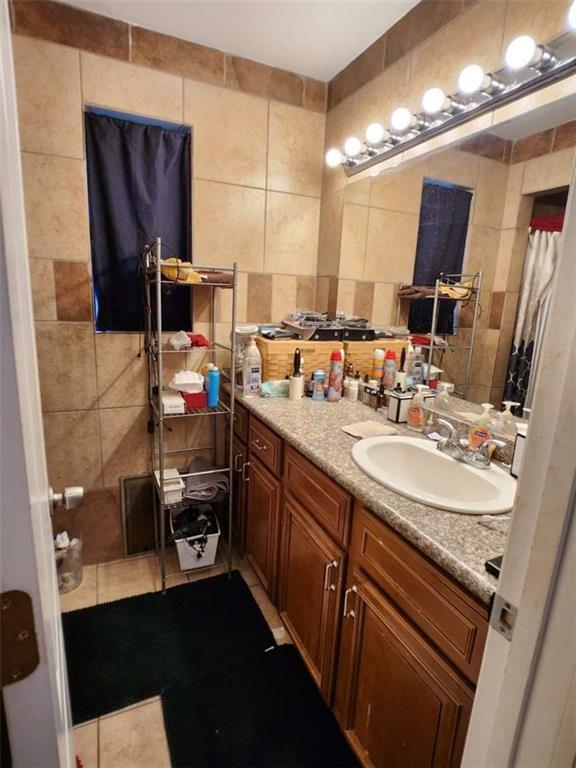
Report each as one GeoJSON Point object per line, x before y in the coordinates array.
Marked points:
{"type": "Point", "coordinates": [122, 652]}
{"type": "Point", "coordinates": [263, 714]}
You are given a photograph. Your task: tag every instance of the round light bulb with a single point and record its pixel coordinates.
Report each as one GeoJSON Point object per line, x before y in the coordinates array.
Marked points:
{"type": "Point", "coordinates": [572, 16]}
{"type": "Point", "coordinates": [435, 101]}
{"type": "Point", "coordinates": [352, 146]}
{"type": "Point", "coordinates": [472, 79]}
{"type": "Point", "coordinates": [375, 133]}
{"type": "Point", "coordinates": [333, 158]}
{"type": "Point", "coordinates": [401, 119]}
{"type": "Point", "coordinates": [522, 52]}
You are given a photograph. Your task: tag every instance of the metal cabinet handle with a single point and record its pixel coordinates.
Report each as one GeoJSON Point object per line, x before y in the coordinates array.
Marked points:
{"type": "Point", "coordinates": [245, 475]}
{"type": "Point", "coordinates": [256, 443]}
{"type": "Point", "coordinates": [328, 586]}
{"type": "Point", "coordinates": [349, 614]}
{"type": "Point", "coordinates": [236, 462]}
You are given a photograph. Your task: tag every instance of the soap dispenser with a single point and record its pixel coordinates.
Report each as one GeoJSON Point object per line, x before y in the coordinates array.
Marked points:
{"type": "Point", "coordinates": [482, 430]}
{"type": "Point", "coordinates": [415, 414]}
{"type": "Point", "coordinates": [507, 419]}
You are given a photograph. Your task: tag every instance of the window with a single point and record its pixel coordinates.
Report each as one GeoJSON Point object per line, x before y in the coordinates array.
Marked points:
{"type": "Point", "coordinates": [138, 188]}
{"type": "Point", "coordinates": [444, 214]}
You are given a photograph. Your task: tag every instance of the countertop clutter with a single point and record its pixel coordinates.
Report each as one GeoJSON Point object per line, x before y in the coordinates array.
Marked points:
{"type": "Point", "coordinates": [459, 544]}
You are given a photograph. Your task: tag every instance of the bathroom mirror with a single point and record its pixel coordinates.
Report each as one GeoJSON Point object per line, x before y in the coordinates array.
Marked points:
{"type": "Point", "coordinates": [490, 206]}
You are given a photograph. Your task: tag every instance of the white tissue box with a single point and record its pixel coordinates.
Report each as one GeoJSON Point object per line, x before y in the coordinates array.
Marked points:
{"type": "Point", "coordinates": [173, 486]}
{"type": "Point", "coordinates": [173, 403]}
{"type": "Point", "coordinates": [398, 404]}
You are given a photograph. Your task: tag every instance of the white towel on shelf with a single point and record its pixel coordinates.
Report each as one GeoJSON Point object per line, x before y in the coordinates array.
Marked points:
{"type": "Point", "coordinates": [204, 487]}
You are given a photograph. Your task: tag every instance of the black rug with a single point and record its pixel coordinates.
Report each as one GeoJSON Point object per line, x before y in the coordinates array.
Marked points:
{"type": "Point", "coordinates": [266, 713]}
{"type": "Point", "coordinates": [126, 651]}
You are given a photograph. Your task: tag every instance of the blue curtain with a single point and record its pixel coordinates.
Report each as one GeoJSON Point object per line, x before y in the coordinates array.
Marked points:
{"type": "Point", "coordinates": [444, 214]}
{"type": "Point", "coordinates": [138, 188]}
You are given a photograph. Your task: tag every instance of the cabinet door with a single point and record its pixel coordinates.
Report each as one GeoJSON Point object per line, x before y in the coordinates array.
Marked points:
{"type": "Point", "coordinates": [262, 524]}
{"type": "Point", "coordinates": [240, 481]}
{"type": "Point", "coordinates": [399, 701]}
{"type": "Point", "coordinates": [311, 578]}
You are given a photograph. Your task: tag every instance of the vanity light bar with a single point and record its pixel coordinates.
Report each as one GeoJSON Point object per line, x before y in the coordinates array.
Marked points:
{"type": "Point", "coordinates": [529, 66]}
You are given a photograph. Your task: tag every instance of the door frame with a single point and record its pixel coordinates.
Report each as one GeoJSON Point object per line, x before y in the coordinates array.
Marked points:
{"type": "Point", "coordinates": [512, 678]}
{"type": "Point", "coordinates": [37, 708]}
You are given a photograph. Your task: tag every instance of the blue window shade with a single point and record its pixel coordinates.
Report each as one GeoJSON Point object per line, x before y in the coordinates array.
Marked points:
{"type": "Point", "coordinates": [138, 188]}
{"type": "Point", "coordinates": [444, 215]}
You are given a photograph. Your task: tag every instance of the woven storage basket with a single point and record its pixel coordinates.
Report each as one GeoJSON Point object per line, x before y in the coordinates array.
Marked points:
{"type": "Point", "coordinates": [360, 353]}
{"type": "Point", "coordinates": [278, 356]}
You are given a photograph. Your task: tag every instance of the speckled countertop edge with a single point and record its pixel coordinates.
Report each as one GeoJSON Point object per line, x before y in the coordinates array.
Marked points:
{"type": "Point", "coordinates": [459, 544]}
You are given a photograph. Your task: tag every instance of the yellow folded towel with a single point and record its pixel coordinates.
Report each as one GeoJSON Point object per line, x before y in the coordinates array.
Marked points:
{"type": "Point", "coordinates": [179, 271]}
{"type": "Point", "coordinates": [457, 291]}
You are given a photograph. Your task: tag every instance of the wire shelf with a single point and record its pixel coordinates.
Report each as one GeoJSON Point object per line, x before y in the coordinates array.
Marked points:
{"type": "Point", "coordinates": [220, 410]}
{"type": "Point", "coordinates": [156, 348]}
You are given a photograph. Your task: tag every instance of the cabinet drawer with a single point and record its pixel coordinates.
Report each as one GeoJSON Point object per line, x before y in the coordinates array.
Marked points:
{"type": "Point", "coordinates": [240, 422]}
{"type": "Point", "coordinates": [240, 417]}
{"type": "Point", "coordinates": [449, 616]}
{"type": "Point", "coordinates": [266, 445]}
{"type": "Point", "coordinates": [321, 496]}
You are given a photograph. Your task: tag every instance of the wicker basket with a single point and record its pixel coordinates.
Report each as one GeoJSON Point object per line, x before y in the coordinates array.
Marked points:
{"type": "Point", "coordinates": [360, 353]}
{"type": "Point", "coordinates": [278, 356]}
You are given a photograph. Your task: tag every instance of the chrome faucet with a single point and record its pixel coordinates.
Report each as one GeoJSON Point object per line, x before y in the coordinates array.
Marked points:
{"type": "Point", "coordinates": [480, 458]}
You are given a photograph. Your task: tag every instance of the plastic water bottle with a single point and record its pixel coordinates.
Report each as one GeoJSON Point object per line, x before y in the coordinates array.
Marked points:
{"type": "Point", "coordinates": [213, 386]}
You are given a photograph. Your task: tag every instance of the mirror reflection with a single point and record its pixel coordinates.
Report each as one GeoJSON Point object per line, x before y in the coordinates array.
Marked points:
{"type": "Point", "coordinates": [486, 212]}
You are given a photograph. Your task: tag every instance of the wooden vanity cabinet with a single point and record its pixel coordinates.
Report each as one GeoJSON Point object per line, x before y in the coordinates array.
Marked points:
{"type": "Point", "coordinates": [399, 702]}
{"type": "Point", "coordinates": [263, 505]}
{"type": "Point", "coordinates": [240, 471]}
{"type": "Point", "coordinates": [311, 579]}
{"type": "Point", "coordinates": [240, 480]}
{"type": "Point", "coordinates": [392, 641]}
{"type": "Point", "coordinates": [410, 650]}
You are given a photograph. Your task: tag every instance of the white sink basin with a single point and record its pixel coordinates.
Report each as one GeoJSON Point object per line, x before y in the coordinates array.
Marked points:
{"type": "Point", "coordinates": [417, 469]}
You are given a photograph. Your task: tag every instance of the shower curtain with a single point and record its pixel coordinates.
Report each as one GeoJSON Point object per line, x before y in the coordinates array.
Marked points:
{"type": "Point", "coordinates": [532, 311]}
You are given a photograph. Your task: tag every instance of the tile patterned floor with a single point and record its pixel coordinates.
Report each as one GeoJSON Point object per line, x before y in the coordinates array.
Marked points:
{"type": "Point", "coordinates": [134, 737]}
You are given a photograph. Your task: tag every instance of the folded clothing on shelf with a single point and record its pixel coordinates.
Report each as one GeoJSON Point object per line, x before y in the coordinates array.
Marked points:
{"type": "Point", "coordinates": [216, 278]}
{"type": "Point", "coordinates": [204, 487]}
{"type": "Point", "coordinates": [187, 381]}
{"type": "Point", "coordinates": [198, 340]}
{"type": "Point", "coordinates": [179, 271]}
{"type": "Point", "coordinates": [180, 340]}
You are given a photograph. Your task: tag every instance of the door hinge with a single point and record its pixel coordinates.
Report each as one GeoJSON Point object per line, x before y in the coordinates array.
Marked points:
{"type": "Point", "coordinates": [19, 648]}
{"type": "Point", "coordinates": [503, 616]}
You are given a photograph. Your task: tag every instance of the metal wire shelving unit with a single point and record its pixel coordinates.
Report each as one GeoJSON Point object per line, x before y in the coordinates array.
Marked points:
{"type": "Point", "coordinates": [159, 421]}
{"type": "Point", "coordinates": [452, 281]}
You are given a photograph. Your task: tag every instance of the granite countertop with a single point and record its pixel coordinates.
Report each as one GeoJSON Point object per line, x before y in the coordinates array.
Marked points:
{"type": "Point", "coordinates": [459, 544]}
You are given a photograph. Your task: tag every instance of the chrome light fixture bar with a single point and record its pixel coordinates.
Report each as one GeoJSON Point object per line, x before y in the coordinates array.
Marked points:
{"type": "Point", "coordinates": [529, 67]}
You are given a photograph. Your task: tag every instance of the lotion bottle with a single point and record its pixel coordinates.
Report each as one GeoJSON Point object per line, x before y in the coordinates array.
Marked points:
{"type": "Point", "coordinates": [418, 367]}
{"type": "Point", "coordinates": [252, 369]}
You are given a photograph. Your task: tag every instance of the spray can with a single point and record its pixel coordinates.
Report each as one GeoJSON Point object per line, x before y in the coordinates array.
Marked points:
{"type": "Point", "coordinates": [335, 376]}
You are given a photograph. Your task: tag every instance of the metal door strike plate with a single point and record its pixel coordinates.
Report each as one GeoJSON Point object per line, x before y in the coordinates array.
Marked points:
{"type": "Point", "coordinates": [503, 616]}
{"type": "Point", "coordinates": [19, 649]}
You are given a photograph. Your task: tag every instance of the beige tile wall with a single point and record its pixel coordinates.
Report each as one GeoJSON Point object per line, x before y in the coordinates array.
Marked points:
{"type": "Point", "coordinates": [257, 178]}
{"type": "Point", "coordinates": [478, 35]}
